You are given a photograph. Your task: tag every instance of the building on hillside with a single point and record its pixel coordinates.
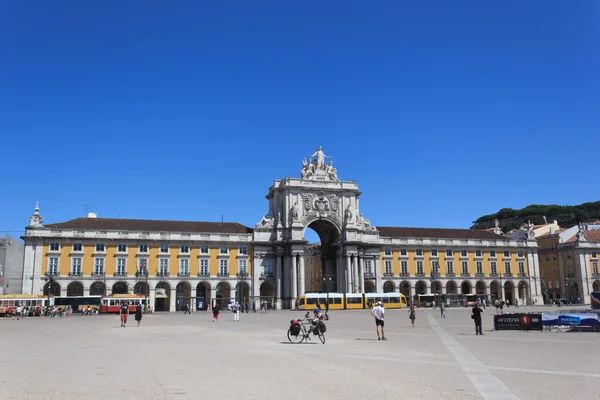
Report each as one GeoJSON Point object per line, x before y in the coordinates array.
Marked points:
{"type": "Point", "coordinates": [569, 263]}
{"type": "Point", "coordinates": [538, 230]}
{"type": "Point", "coordinates": [200, 263]}
{"type": "Point", "coordinates": [11, 266]}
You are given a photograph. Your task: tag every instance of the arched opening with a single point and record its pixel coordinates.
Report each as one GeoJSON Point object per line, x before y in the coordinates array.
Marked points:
{"type": "Point", "coordinates": [266, 294]}
{"type": "Point", "coordinates": [120, 288]}
{"type": "Point", "coordinates": [436, 288]}
{"type": "Point", "coordinates": [421, 287]}
{"type": "Point", "coordinates": [141, 288]}
{"type": "Point", "coordinates": [573, 292]}
{"type": "Point", "coordinates": [162, 297]}
{"type": "Point", "coordinates": [523, 292]}
{"type": "Point", "coordinates": [405, 289]}
{"type": "Point", "coordinates": [183, 295]}
{"type": "Point", "coordinates": [388, 287]}
{"type": "Point", "coordinates": [596, 286]}
{"type": "Point", "coordinates": [223, 295]}
{"type": "Point", "coordinates": [465, 287]}
{"type": "Point", "coordinates": [480, 288]}
{"type": "Point", "coordinates": [369, 287]}
{"type": "Point", "coordinates": [98, 289]}
{"type": "Point", "coordinates": [52, 287]}
{"type": "Point", "coordinates": [509, 292]}
{"type": "Point", "coordinates": [451, 287]}
{"type": "Point", "coordinates": [202, 296]}
{"type": "Point", "coordinates": [75, 289]}
{"type": "Point", "coordinates": [242, 293]}
{"type": "Point", "coordinates": [495, 290]}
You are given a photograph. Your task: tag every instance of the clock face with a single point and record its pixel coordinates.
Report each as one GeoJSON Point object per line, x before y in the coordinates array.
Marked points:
{"type": "Point", "coordinates": [35, 218]}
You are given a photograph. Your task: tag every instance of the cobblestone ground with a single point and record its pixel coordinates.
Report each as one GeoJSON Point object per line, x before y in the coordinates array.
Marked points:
{"type": "Point", "coordinates": [176, 356]}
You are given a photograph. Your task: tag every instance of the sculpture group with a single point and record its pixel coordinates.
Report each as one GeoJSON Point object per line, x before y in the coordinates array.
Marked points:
{"type": "Point", "coordinates": [314, 166]}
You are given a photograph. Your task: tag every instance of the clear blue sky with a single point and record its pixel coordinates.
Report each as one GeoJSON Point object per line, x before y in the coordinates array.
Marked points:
{"type": "Point", "coordinates": [441, 111]}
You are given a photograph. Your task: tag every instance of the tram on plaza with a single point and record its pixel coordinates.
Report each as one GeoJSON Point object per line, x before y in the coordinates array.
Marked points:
{"type": "Point", "coordinates": [8, 302]}
{"type": "Point", "coordinates": [78, 303]}
{"type": "Point", "coordinates": [350, 301]}
{"type": "Point", "coordinates": [112, 304]}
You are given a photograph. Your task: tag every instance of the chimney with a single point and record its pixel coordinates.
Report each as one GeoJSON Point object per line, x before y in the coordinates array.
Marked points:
{"type": "Point", "coordinates": [552, 229]}
{"type": "Point", "coordinates": [496, 222]}
{"type": "Point", "coordinates": [555, 222]}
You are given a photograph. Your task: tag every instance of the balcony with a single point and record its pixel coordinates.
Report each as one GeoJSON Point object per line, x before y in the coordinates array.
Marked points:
{"type": "Point", "coordinates": [118, 275]}
{"type": "Point", "coordinates": [388, 274]}
{"type": "Point", "coordinates": [266, 275]}
{"type": "Point", "coordinates": [479, 275]}
{"type": "Point", "coordinates": [53, 274]}
{"type": "Point", "coordinates": [595, 274]}
{"type": "Point", "coordinates": [203, 275]}
{"type": "Point", "coordinates": [183, 274]}
{"type": "Point", "coordinates": [465, 275]}
{"type": "Point", "coordinates": [140, 274]}
{"type": "Point", "coordinates": [522, 275]}
{"type": "Point", "coordinates": [223, 274]}
{"type": "Point", "coordinates": [163, 275]}
{"type": "Point", "coordinates": [508, 274]}
{"type": "Point", "coordinates": [242, 275]}
{"type": "Point", "coordinates": [100, 275]}
{"type": "Point", "coordinates": [369, 275]}
{"type": "Point", "coordinates": [75, 275]}
{"type": "Point", "coordinates": [451, 275]}
{"type": "Point", "coordinates": [420, 275]}
{"type": "Point", "coordinates": [405, 275]}
{"type": "Point", "coordinates": [493, 275]}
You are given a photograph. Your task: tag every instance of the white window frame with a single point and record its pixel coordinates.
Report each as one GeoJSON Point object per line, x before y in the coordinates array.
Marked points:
{"type": "Point", "coordinates": [449, 253]}
{"type": "Point", "coordinates": [204, 266]}
{"type": "Point", "coordinates": [223, 267]}
{"type": "Point", "coordinates": [465, 267]}
{"type": "Point", "coordinates": [54, 246]}
{"type": "Point", "coordinates": [492, 253]}
{"type": "Point", "coordinates": [162, 248]}
{"type": "Point", "coordinates": [595, 267]}
{"type": "Point", "coordinates": [419, 252]}
{"type": "Point", "coordinates": [368, 267]}
{"type": "Point", "coordinates": [388, 267]}
{"type": "Point", "coordinates": [493, 268]}
{"type": "Point", "coordinates": [521, 268]}
{"type": "Point", "coordinates": [242, 266]}
{"type": "Point", "coordinates": [478, 253]}
{"type": "Point", "coordinates": [221, 248]}
{"type": "Point", "coordinates": [163, 266]}
{"type": "Point", "coordinates": [143, 250]}
{"type": "Point", "coordinates": [184, 266]}
{"type": "Point", "coordinates": [98, 265]}
{"type": "Point", "coordinates": [387, 251]}
{"type": "Point", "coordinates": [139, 265]}
{"type": "Point", "coordinates": [507, 267]}
{"type": "Point", "coordinates": [479, 267]}
{"type": "Point", "coordinates": [506, 253]}
{"type": "Point", "coordinates": [594, 254]}
{"type": "Point", "coordinates": [243, 250]}
{"type": "Point", "coordinates": [100, 248]}
{"type": "Point", "coordinates": [450, 267]}
{"type": "Point", "coordinates": [403, 252]}
{"type": "Point", "coordinates": [404, 267]}
{"type": "Point", "coordinates": [420, 268]}
{"type": "Point", "coordinates": [520, 253]}
{"type": "Point", "coordinates": [464, 253]}
{"type": "Point", "coordinates": [80, 250]}
{"type": "Point", "coordinates": [434, 253]}
{"type": "Point", "coordinates": [121, 268]}
{"type": "Point", "coordinates": [184, 249]}
{"type": "Point", "coordinates": [204, 250]}
{"type": "Point", "coordinates": [119, 250]}
{"type": "Point", "coordinates": [53, 267]}
{"type": "Point", "coordinates": [78, 265]}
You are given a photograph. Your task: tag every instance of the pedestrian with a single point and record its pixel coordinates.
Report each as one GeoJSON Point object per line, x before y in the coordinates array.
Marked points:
{"type": "Point", "coordinates": [236, 312]}
{"type": "Point", "coordinates": [379, 313]}
{"type": "Point", "coordinates": [138, 315]}
{"type": "Point", "coordinates": [326, 307]}
{"type": "Point", "coordinates": [442, 310]}
{"type": "Point", "coordinates": [501, 306]}
{"type": "Point", "coordinates": [412, 315]}
{"type": "Point", "coordinates": [254, 307]}
{"type": "Point", "coordinates": [215, 311]}
{"type": "Point", "coordinates": [484, 302]}
{"type": "Point", "coordinates": [187, 309]}
{"type": "Point", "coordinates": [124, 312]}
{"type": "Point", "coordinates": [476, 316]}
{"type": "Point", "coordinates": [516, 303]}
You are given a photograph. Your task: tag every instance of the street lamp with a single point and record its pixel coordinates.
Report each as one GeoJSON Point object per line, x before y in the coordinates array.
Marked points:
{"type": "Point", "coordinates": [326, 282]}
{"type": "Point", "coordinates": [566, 289]}
{"type": "Point", "coordinates": [50, 279]}
{"type": "Point", "coordinates": [241, 276]}
{"type": "Point", "coordinates": [433, 278]}
{"type": "Point", "coordinates": [143, 271]}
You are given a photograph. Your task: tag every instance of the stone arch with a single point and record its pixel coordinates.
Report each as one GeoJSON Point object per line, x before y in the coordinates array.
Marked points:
{"type": "Point", "coordinates": [509, 292]}
{"type": "Point", "coordinates": [480, 288]}
{"type": "Point", "coordinates": [451, 287]}
{"type": "Point", "coordinates": [242, 292]}
{"type": "Point", "coordinates": [495, 290]}
{"type": "Point", "coordinates": [223, 294]}
{"type": "Point", "coordinates": [141, 288]}
{"type": "Point", "coordinates": [388, 287]}
{"type": "Point", "coordinates": [596, 286]}
{"type": "Point", "coordinates": [183, 293]}
{"type": "Point", "coordinates": [267, 294]}
{"type": "Point", "coordinates": [162, 296]}
{"type": "Point", "coordinates": [405, 289]}
{"type": "Point", "coordinates": [52, 287]}
{"type": "Point", "coordinates": [573, 292]}
{"type": "Point", "coordinates": [75, 289]}
{"type": "Point", "coordinates": [523, 292]}
{"type": "Point", "coordinates": [436, 287]}
{"type": "Point", "coordinates": [421, 287]}
{"type": "Point", "coordinates": [98, 289]}
{"type": "Point", "coordinates": [120, 288]}
{"type": "Point", "coordinates": [369, 287]}
{"type": "Point", "coordinates": [465, 287]}
{"type": "Point", "coordinates": [202, 295]}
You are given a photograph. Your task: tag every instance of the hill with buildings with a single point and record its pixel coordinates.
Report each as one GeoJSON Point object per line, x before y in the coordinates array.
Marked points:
{"type": "Point", "coordinates": [509, 219]}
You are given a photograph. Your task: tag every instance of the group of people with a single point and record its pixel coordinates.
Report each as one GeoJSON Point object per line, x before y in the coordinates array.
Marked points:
{"type": "Point", "coordinates": [124, 313]}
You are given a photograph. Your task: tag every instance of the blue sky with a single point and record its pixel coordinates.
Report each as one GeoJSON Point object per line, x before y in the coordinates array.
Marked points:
{"type": "Point", "coordinates": [441, 111]}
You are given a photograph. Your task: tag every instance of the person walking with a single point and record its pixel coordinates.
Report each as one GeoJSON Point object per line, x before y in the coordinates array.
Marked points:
{"type": "Point", "coordinates": [138, 315]}
{"type": "Point", "coordinates": [412, 315]}
{"type": "Point", "coordinates": [187, 309]}
{"type": "Point", "coordinates": [236, 312]}
{"type": "Point", "coordinates": [379, 313]}
{"type": "Point", "coordinates": [442, 310]}
{"type": "Point", "coordinates": [476, 316]}
{"type": "Point", "coordinates": [216, 313]}
{"type": "Point", "coordinates": [124, 312]}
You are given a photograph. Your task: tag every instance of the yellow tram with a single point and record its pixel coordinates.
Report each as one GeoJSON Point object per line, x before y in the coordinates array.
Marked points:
{"type": "Point", "coordinates": [350, 301]}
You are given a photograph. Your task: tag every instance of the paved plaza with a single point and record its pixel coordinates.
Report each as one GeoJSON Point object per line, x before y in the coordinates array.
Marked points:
{"type": "Point", "coordinates": [176, 356]}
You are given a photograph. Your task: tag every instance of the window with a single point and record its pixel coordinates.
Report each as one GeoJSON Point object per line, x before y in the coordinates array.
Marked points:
{"type": "Point", "coordinates": [54, 247]}
{"type": "Point", "coordinates": [434, 253]}
{"type": "Point", "coordinates": [143, 265]}
{"type": "Point", "coordinates": [122, 248]}
{"type": "Point", "coordinates": [547, 258]}
{"type": "Point", "coordinates": [479, 266]}
{"type": "Point", "coordinates": [449, 253]}
{"type": "Point", "coordinates": [368, 269]}
{"type": "Point", "coordinates": [204, 250]}
{"type": "Point", "coordinates": [121, 266]}
{"type": "Point", "coordinates": [223, 250]}
{"type": "Point", "coordinates": [419, 267]}
{"type": "Point", "coordinates": [143, 248]}
{"type": "Point", "coordinates": [99, 266]}
{"type": "Point", "coordinates": [463, 253]}
{"type": "Point", "coordinates": [507, 268]}
{"type": "Point", "coordinates": [595, 268]}
{"type": "Point", "coordinates": [419, 252]}
{"type": "Point", "coordinates": [555, 271]}
{"type": "Point", "coordinates": [388, 267]}
{"type": "Point", "coordinates": [520, 253]}
{"type": "Point", "coordinates": [506, 253]}
{"type": "Point", "coordinates": [76, 266]}
{"type": "Point", "coordinates": [184, 266]}
{"type": "Point", "coordinates": [163, 266]}
{"type": "Point", "coordinates": [77, 247]}
{"type": "Point", "coordinates": [554, 257]}
{"type": "Point", "coordinates": [184, 249]}
{"type": "Point", "coordinates": [493, 268]}
{"type": "Point", "coordinates": [204, 267]}
{"type": "Point", "coordinates": [465, 268]}
{"type": "Point", "coordinates": [53, 266]}
{"type": "Point", "coordinates": [594, 254]}
{"type": "Point", "coordinates": [404, 267]}
{"type": "Point", "coordinates": [492, 253]}
{"type": "Point", "coordinates": [522, 268]}
{"type": "Point", "coordinates": [100, 248]}
{"type": "Point", "coordinates": [402, 252]}
{"type": "Point", "coordinates": [244, 250]}
{"type": "Point", "coordinates": [242, 266]}
{"type": "Point", "coordinates": [164, 248]}
{"type": "Point", "coordinates": [569, 256]}
{"type": "Point", "coordinates": [477, 253]}
{"type": "Point", "coordinates": [388, 252]}
{"type": "Point", "coordinates": [449, 267]}
{"type": "Point", "coordinates": [267, 267]}
{"type": "Point", "coordinates": [223, 267]}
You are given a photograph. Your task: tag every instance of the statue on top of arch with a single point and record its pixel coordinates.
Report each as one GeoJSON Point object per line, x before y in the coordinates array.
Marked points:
{"type": "Point", "coordinates": [314, 167]}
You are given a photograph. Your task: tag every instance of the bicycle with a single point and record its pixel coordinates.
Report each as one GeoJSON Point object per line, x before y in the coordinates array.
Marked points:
{"type": "Point", "coordinates": [302, 333]}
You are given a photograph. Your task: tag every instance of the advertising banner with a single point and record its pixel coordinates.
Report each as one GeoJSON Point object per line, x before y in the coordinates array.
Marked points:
{"type": "Point", "coordinates": [518, 322]}
{"type": "Point", "coordinates": [571, 319]}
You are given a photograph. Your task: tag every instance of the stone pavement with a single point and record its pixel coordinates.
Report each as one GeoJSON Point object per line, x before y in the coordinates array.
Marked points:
{"type": "Point", "coordinates": [176, 356]}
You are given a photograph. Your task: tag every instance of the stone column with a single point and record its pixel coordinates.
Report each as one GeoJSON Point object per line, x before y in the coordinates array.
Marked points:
{"type": "Point", "coordinates": [151, 297]}
{"type": "Point", "coordinates": [355, 279]}
{"type": "Point", "coordinates": [255, 288]}
{"type": "Point", "coordinates": [278, 279]}
{"type": "Point", "coordinates": [533, 267]}
{"type": "Point", "coordinates": [341, 281]}
{"type": "Point", "coordinates": [193, 298]}
{"type": "Point", "coordinates": [294, 293]}
{"type": "Point", "coordinates": [86, 291]}
{"type": "Point", "coordinates": [301, 289]}
{"type": "Point", "coordinates": [173, 300]}
{"type": "Point", "coordinates": [213, 296]}
{"type": "Point", "coordinates": [361, 274]}
{"type": "Point", "coordinates": [349, 273]}
{"type": "Point", "coordinates": [582, 273]}
{"type": "Point", "coordinates": [378, 284]}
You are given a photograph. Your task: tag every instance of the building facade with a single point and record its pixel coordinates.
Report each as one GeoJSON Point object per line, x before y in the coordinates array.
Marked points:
{"type": "Point", "coordinates": [178, 262]}
{"type": "Point", "coordinates": [11, 266]}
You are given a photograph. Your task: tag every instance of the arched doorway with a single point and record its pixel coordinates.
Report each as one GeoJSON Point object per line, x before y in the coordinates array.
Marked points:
{"type": "Point", "coordinates": [120, 288]}
{"type": "Point", "coordinates": [223, 295]}
{"type": "Point", "coordinates": [202, 296]}
{"type": "Point", "coordinates": [98, 289]}
{"type": "Point", "coordinates": [523, 292]}
{"type": "Point", "coordinates": [509, 292]}
{"type": "Point", "coordinates": [596, 286]}
{"type": "Point", "coordinates": [573, 292]}
{"type": "Point", "coordinates": [162, 297]}
{"type": "Point", "coordinates": [436, 288]}
{"type": "Point", "coordinates": [388, 287]}
{"type": "Point", "coordinates": [75, 289]}
{"type": "Point", "coordinates": [480, 288]}
{"type": "Point", "coordinates": [141, 288]}
{"type": "Point", "coordinates": [494, 290]}
{"type": "Point", "coordinates": [405, 289]}
{"type": "Point", "coordinates": [52, 287]}
{"type": "Point", "coordinates": [326, 254]}
{"type": "Point", "coordinates": [451, 287]}
{"type": "Point", "coordinates": [421, 287]}
{"type": "Point", "coordinates": [266, 294]}
{"type": "Point", "coordinates": [242, 292]}
{"type": "Point", "coordinates": [184, 295]}
{"type": "Point", "coordinates": [465, 287]}
{"type": "Point", "coordinates": [369, 287]}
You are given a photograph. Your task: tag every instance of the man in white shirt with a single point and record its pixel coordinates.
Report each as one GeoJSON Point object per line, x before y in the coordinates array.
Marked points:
{"type": "Point", "coordinates": [379, 313]}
